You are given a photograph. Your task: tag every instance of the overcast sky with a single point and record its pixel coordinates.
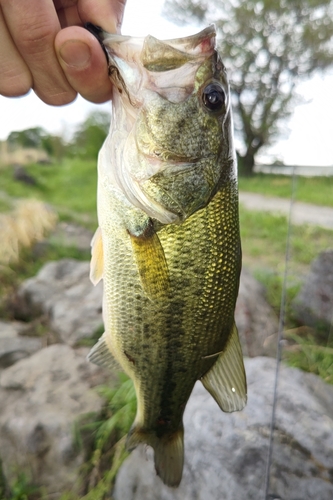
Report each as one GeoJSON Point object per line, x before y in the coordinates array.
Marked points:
{"type": "Point", "coordinates": [310, 141]}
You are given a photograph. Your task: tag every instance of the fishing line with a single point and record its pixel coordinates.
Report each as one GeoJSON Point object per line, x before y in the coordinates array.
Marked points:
{"type": "Point", "coordinates": [282, 315]}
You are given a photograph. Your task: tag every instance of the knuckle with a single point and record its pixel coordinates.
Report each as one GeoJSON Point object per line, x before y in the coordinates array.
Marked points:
{"type": "Point", "coordinates": [36, 37]}
{"type": "Point", "coordinates": [57, 98]}
{"type": "Point", "coordinates": [15, 83]}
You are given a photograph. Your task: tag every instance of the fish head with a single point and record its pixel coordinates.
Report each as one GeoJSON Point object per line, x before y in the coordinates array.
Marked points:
{"type": "Point", "coordinates": [170, 146]}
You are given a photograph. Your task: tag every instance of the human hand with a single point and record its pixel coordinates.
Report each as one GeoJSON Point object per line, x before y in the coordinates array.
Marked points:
{"type": "Point", "coordinates": [35, 52]}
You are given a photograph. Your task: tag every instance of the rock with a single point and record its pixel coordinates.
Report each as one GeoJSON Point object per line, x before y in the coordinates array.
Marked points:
{"type": "Point", "coordinates": [226, 454]}
{"type": "Point", "coordinates": [12, 349]}
{"type": "Point", "coordinates": [64, 292]}
{"type": "Point", "coordinates": [41, 399]}
{"type": "Point", "coordinates": [313, 304]}
{"type": "Point", "coordinates": [21, 174]}
{"type": "Point", "coordinates": [255, 319]}
{"type": "Point", "coordinates": [12, 346]}
{"type": "Point", "coordinates": [10, 329]}
{"type": "Point", "coordinates": [71, 235]}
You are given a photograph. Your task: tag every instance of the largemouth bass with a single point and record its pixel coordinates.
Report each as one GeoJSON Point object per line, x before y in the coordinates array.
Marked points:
{"type": "Point", "coordinates": [168, 246]}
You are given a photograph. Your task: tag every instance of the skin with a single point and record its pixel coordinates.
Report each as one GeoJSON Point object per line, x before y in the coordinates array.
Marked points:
{"type": "Point", "coordinates": [44, 47]}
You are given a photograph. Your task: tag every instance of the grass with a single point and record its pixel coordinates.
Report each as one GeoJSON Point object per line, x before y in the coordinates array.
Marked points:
{"type": "Point", "coordinates": [264, 241]}
{"type": "Point", "coordinates": [305, 353]}
{"type": "Point", "coordinates": [70, 187]}
{"type": "Point", "coordinates": [316, 190]}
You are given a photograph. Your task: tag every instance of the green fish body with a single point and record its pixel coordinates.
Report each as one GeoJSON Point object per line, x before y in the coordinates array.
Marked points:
{"type": "Point", "coordinates": [168, 246]}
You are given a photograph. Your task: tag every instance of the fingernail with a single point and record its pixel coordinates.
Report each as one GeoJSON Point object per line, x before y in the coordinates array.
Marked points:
{"type": "Point", "coordinates": [76, 54]}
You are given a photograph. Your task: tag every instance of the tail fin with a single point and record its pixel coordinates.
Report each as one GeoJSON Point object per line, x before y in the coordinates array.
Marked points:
{"type": "Point", "coordinates": [168, 456]}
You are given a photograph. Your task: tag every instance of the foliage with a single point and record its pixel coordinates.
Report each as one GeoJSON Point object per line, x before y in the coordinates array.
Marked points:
{"type": "Point", "coordinates": [39, 138]}
{"type": "Point", "coordinates": [267, 47]}
{"type": "Point", "coordinates": [90, 135]}
{"type": "Point", "coordinates": [21, 489]}
{"type": "Point", "coordinates": [29, 138]}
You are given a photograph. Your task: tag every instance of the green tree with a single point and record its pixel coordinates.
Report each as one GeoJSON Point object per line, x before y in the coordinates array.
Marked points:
{"type": "Point", "coordinates": [268, 46]}
{"type": "Point", "coordinates": [90, 135]}
{"type": "Point", "coordinates": [29, 138]}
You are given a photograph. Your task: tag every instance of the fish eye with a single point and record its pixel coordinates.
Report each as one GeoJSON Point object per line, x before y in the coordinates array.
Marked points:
{"type": "Point", "coordinates": [213, 97]}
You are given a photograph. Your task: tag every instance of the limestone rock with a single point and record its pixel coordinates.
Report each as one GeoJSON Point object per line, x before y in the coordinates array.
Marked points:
{"type": "Point", "coordinates": [313, 304]}
{"type": "Point", "coordinates": [226, 454]}
{"type": "Point", "coordinates": [69, 234]}
{"type": "Point", "coordinates": [255, 319]}
{"type": "Point", "coordinates": [64, 292]}
{"type": "Point", "coordinates": [41, 398]}
{"type": "Point", "coordinates": [12, 349]}
{"type": "Point", "coordinates": [10, 329]}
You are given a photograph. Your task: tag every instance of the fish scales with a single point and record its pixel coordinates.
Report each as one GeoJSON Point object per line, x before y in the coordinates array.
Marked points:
{"type": "Point", "coordinates": [168, 246]}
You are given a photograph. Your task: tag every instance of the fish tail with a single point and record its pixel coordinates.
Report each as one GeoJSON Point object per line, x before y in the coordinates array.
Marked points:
{"type": "Point", "coordinates": [169, 452]}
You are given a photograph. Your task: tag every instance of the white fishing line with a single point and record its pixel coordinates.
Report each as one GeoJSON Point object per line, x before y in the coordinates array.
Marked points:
{"type": "Point", "coordinates": [267, 495]}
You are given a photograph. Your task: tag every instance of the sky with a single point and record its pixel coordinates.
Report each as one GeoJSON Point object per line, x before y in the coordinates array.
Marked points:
{"type": "Point", "coordinates": [308, 139]}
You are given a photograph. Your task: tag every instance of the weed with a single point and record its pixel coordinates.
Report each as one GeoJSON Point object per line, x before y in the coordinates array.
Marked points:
{"type": "Point", "coordinates": [306, 354]}
{"type": "Point", "coordinates": [108, 440]}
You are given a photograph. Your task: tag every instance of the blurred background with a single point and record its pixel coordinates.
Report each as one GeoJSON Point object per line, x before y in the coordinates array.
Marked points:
{"type": "Point", "coordinates": [279, 57]}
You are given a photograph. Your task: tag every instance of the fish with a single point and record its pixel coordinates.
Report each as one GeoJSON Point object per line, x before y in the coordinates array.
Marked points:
{"type": "Point", "coordinates": [168, 244]}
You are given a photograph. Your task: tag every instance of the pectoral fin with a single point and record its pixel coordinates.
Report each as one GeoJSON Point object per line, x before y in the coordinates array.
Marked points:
{"type": "Point", "coordinates": [226, 380]}
{"type": "Point", "coordinates": [151, 263]}
{"type": "Point", "coordinates": [97, 261]}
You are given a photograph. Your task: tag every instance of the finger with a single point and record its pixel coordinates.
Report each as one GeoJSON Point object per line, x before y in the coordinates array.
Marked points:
{"type": "Point", "coordinates": [15, 77]}
{"type": "Point", "coordinates": [33, 26]}
{"type": "Point", "coordinates": [104, 13]}
{"type": "Point", "coordinates": [84, 64]}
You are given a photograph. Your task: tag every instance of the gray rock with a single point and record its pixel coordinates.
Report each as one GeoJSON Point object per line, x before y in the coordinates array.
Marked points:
{"type": "Point", "coordinates": [71, 235]}
{"type": "Point", "coordinates": [226, 454]}
{"type": "Point", "coordinates": [313, 304]}
{"type": "Point", "coordinates": [64, 292]}
{"type": "Point", "coordinates": [255, 319]}
{"type": "Point", "coordinates": [12, 349]}
{"type": "Point", "coordinates": [41, 398]}
{"type": "Point", "coordinates": [11, 329]}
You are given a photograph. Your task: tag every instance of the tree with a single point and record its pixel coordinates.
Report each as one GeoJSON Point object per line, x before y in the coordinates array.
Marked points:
{"type": "Point", "coordinates": [91, 134]}
{"type": "Point", "coordinates": [268, 46]}
{"type": "Point", "coordinates": [38, 138]}
{"type": "Point", "coordinates": [29, 138]}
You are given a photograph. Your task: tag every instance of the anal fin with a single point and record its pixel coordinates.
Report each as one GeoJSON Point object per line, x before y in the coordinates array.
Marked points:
{"type": "Point", "coordinates": [100, 355]}
{"type": "Point", "coordinates": [226, 380]}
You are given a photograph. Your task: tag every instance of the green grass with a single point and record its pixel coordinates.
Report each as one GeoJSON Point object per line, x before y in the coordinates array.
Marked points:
{"type": "Point", "coordinates": [264, 252]}
{"type": "Point", "coordinates": [264, 241]}
{"type": "Point", "coordinates": [306, 354]}
{"type": "Point", "coordinates": [70, 187]}
{"type": "Point", "coordinates": [316, 190]}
